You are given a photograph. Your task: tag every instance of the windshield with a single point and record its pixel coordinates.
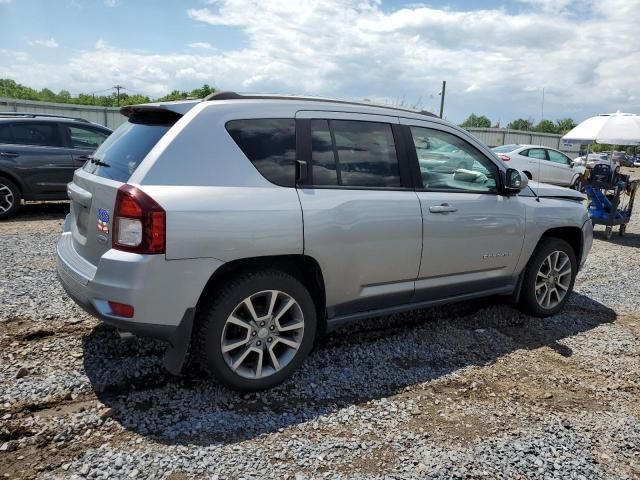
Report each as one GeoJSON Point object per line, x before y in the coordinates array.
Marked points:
{"type": "Point", "coordinates": [505, 148]}
{"type": "Point", "coordinates": [119, 156]}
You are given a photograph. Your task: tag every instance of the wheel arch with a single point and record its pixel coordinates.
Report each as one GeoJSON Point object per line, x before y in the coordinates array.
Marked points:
{"type": "Point", "coordinates": [302, 267]}
{"type": "Point", "coordinates": [7, 174]}
{"type": "Point", "coordinates": [528, 174]}
{"type": "Point", "coordinates": [571, 235]}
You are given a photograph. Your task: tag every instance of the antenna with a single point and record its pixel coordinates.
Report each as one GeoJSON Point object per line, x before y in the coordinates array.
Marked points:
{"type": "Point", "coordinates": [444, 88]}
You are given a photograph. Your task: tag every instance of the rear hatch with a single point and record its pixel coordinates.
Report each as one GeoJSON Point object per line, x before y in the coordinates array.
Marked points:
{"type": "Point", "coordinates": [95, 185]}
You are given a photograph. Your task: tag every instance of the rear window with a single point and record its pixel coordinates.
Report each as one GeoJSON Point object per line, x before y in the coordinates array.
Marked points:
{"type": "Point", "coordinates": [270, 144]}
{"type": "Point", "coordinates": [121, 153]}
{"type": "Point", "coordinates": [505, 148]}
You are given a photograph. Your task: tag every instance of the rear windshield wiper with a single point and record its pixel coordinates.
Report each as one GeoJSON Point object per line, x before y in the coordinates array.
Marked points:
{"type": "Point", "coordinates": [96, 161]}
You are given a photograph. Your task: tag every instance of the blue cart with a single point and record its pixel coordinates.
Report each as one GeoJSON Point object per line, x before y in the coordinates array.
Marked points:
{"type": "Point", "coordinates": [611, 196]}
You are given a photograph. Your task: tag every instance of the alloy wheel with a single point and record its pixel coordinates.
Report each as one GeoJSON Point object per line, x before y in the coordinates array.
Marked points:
{"type": "Point", "coordinates": [262, 334]}
{"type": "Point", "coordinates": [6, 198]}
{"type": "Point", "coordinates": [553, 279]}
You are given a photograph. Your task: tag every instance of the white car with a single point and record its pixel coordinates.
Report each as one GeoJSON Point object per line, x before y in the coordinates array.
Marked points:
{"type": "Point", "coordinates": [636, 162]}
{"type": "Point", "coordinates": [542, 164]}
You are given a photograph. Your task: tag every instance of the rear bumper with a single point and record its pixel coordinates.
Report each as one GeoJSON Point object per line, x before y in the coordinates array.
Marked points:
{"type": "Point", "coordinates": [162, 292]}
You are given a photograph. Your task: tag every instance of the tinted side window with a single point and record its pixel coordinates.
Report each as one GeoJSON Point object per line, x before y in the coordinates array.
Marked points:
{"type": "Point", "coordinates": [353, 153]}
{"type": "Point", "coordinates": [27, 133]}
{"type": "Point", "coordinates": [557, 157]}
{"type": "Point", "coordinates": [270, 144]}
{"type": "Point", "coordinates": [323, 160]}
{"type": "Point", "coordinates": [449, 162]}
{"type": "Point", "coordinates": [537, 153]}
{"type": "Point", "coordinates": [85, 138]}
{"type": "Point", "coordinates": [5, 134]}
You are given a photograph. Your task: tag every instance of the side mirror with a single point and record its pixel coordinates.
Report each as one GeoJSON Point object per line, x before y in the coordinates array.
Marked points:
{"type": "Point", "coordinates": [515, 181]}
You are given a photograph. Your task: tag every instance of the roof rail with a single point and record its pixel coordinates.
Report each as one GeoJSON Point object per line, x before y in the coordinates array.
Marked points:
{"type": "Point", "coordinates": [46, 115]}
{"type": "Point", "coordinates": [236, 96]}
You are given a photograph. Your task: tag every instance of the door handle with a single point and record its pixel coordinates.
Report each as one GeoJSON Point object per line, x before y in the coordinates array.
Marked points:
{"type": "Point", "coordinates": [9, 154]}
{"type": "Point", "coordinates": [444, 208]}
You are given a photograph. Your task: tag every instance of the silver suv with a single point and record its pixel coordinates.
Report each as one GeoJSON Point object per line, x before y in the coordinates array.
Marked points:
{"type": "Point", "coordinates": [242, 227]}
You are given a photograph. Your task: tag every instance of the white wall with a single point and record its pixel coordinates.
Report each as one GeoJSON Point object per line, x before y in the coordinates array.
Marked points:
{"type": "Point", "coordinates": [107, 116]}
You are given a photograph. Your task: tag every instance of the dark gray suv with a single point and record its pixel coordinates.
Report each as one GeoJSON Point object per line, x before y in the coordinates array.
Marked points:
{"type": "Point", "coordinates": [38, 155]}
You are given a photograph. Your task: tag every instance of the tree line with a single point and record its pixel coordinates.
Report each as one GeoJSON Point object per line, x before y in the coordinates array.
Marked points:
{"type": "Point", "coordinates": [11, 89]}
{"type": "Point", "coordinates": [560, 126]}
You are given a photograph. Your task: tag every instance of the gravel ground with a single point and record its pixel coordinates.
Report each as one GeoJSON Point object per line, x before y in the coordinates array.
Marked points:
{"type": "Point", "coordinates": [473, 390]}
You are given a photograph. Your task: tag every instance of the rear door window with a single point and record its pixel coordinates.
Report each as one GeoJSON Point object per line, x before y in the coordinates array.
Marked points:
{"type": "Point", "coordinates": [5, 134]}
{"type": "Point", "coordinates": [84, 138]}
{"type": "Point", "coordinates": [119, 156]}
{"type": "Point", "coordinates": [538, 153]}
{"type": "Point", "coordinates": [354, 153]}
{"type": "Point", "coordinates": [33, 133]}
{"type": "Point", "coordinates": [270, 145]}
{"type": "Point", "coordinates": [323, 158]}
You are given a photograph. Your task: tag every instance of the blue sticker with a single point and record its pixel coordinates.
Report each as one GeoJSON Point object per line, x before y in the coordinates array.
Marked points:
{"type": "Point", "coordinates": [103, 215]}
{"type": "Point", "coordinates": [103, 221]}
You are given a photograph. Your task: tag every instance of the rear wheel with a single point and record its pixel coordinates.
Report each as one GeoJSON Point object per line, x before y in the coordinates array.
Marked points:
{"type": "Point", "coordinates": [549, 278]}
{"type": "Point", "coordinates": [256, 331]}
{"type": "Point", "coordinates": [9, 198]}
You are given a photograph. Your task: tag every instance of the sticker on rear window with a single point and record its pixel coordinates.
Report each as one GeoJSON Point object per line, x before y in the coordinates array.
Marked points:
{"type": "Point", "coordinates": [103, 221]}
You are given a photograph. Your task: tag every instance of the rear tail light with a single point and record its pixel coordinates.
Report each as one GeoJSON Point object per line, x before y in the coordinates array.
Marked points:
{"type": "Point", "coordinates": [121, 309]}
{"type": "Point", "coordinates": [139, 223]}
{"type": "Point", "coordinates": [504, 158]}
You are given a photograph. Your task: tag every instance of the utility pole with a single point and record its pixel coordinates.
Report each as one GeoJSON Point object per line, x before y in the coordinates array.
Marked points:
{"type": "Point", "coordinates": [118, 87]}
{"type": "Point", "coordinates": [444, 88]}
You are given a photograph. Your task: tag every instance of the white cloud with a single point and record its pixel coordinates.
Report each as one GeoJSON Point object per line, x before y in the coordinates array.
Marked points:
{"type": "Point", "coordinates": [48, 43]}
{"type": "Point", "coordinates": [5, 2]}
{"type": "Point", "coordinates": [495, 61]}
{"type": "Point", "coordinates": [201, 46]}
{"type": "Point", "coordinates": [111, 3]}
{"type": "Point", "coordinates": [550, 6]}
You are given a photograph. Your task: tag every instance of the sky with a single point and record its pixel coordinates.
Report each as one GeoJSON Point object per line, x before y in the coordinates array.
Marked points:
{"type": "Point", "coordinates": [496, 56]}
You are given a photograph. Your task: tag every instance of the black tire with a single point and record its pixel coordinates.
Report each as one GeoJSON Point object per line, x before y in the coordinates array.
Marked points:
{"type": "Point", "coordinates": [10, 198]}
{"type": "Point", "coordinates": [217, 307]}
{"type": "Point", "coordinates": [578, 185]}
{"type": "Point", "coordinates": [528, 301]}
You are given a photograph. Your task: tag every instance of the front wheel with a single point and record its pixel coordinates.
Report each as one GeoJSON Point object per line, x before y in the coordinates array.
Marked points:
{"type": "Point", "coordinates": [549, 278]}
{"type": "Point", "coordinates": [578, 185]}
{"type": "Point", "coordinates": [256, 331]}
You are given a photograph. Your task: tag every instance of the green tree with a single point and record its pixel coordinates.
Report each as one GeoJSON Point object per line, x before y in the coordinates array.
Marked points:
{"type": "Point", "coordinates": [546, 126]}
{"type": "Point", "coordinates": [521, 124]}
{"type": "Point", "coordinates": [565, 124]}
{"type": "Point", "coordinates": [476, 121]}
{"type": "Point", "coordinates": [9, 88]}
{"type": "Point", "coordinates": [63, 96]}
